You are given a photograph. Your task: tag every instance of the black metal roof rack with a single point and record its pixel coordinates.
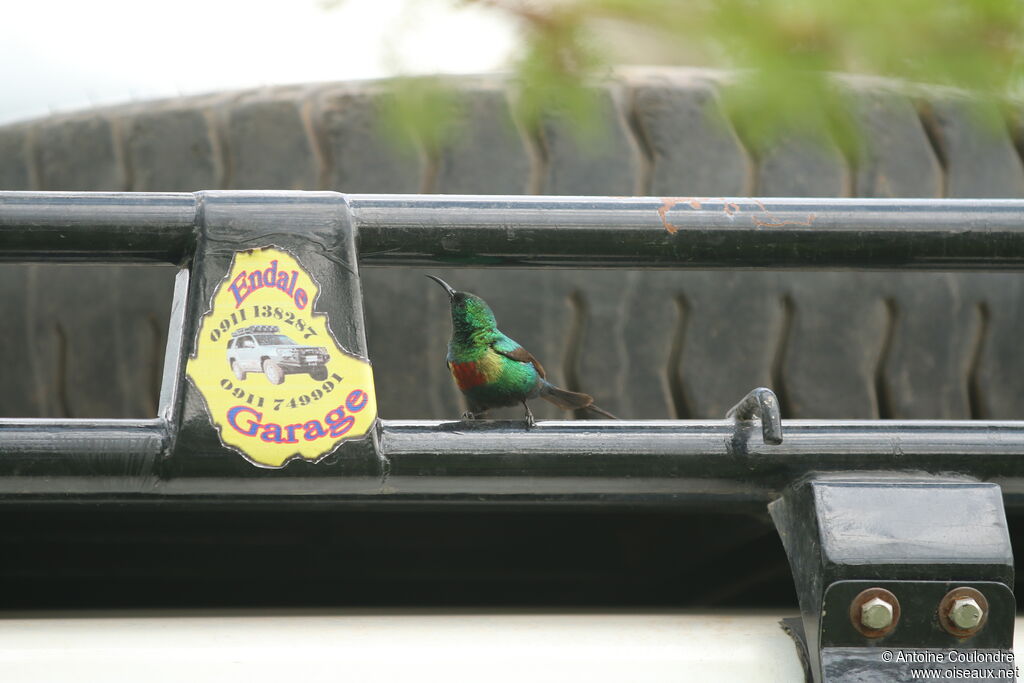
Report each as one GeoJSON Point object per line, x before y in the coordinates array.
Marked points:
{"type": "Point", "coordinates": [902, 519]}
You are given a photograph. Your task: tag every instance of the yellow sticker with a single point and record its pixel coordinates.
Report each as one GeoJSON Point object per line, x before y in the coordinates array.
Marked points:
{"type": "Point", "coordinates": [276, 383]}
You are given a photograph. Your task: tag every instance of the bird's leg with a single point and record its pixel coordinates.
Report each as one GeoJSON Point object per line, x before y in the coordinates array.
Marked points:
{"type": "Point", "coordinates": [478, 415]}
{"type": "Point", "coordinates": [530, 422]}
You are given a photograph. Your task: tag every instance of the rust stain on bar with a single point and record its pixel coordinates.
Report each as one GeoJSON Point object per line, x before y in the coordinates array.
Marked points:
{"type": "Point", "coordinates": [668, 203]}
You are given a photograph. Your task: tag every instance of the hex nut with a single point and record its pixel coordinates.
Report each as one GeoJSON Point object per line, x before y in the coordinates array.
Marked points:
{"type": "Point", "coordinates": [966, 613]}
{"type": "Point", "coordinates": [963, 612]}
{"type": "Point", "coordinates": [876, 614]}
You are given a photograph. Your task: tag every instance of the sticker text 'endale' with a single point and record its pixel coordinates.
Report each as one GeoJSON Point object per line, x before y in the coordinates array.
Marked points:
{"type": "Point", "coordinates": [245, 283]}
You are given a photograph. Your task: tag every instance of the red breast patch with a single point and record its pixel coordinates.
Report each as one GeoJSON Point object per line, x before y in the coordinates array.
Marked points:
{"type": "Point", "coordinates": [467, 375]}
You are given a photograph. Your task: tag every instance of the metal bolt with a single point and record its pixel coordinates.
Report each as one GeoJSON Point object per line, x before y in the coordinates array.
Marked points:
{"type": "Point", "coordinates": [963, 611]}
{"type": "Point", "coordinates": [876, 614]}
{"type": "Point", "coordinates": [966, 613]}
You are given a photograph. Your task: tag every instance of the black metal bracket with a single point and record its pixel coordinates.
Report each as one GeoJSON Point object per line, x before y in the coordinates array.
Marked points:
{"type": "Point", "coordinates": [316, 228]}
{"type": "Point", "coordinates": [885, 563]}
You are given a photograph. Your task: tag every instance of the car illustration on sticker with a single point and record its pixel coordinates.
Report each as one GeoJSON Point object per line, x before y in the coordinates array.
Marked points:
{"type": "Point", "coordinates": [262, 348]}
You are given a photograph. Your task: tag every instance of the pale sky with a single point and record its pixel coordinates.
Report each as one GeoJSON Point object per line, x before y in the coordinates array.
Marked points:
{"type": "Point", "coordinates": [63, 55]}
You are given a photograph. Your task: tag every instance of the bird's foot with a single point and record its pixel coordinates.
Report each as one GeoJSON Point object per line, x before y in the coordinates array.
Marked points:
{"type": "Point", "coordinates": [470, 415]}
{"type": "Point", "coordinates": [530, 422]}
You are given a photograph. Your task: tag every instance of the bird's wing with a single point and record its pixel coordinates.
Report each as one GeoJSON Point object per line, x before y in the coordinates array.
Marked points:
{"type": "Point", "coordinates": [511, 349]}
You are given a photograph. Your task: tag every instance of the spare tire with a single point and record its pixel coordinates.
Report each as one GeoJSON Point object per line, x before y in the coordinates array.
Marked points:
{"type": "Point", "coordinates": [646, 344]}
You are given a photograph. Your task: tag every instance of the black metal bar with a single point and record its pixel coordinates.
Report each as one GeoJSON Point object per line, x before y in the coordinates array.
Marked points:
{"type": "Point", "coordinates": [689, 232]}
{"type": "Point", "coordinates": [96, 226]}
{"type": "Point", "coordinates": [698, 458]}
{"type": "Point", "coordinates": [585, 460]}
{"type": "Point", "coordinates": [677, 232]}
{"type": "Point", "coordinates": [80, 456]}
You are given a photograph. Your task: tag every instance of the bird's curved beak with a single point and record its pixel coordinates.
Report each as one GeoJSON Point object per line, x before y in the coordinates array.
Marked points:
{"type": "Point", "coordinates": [447, 288]}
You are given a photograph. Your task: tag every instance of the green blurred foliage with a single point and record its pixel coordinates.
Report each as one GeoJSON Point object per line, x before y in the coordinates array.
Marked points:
{"type": "Point", "coordinates": [420, 111]}
{"type": "Point", "coordinates": [783, 53]}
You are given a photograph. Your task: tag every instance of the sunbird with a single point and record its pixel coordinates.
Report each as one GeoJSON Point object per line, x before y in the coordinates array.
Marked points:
{"type": "Point", "coordinates": [494, 371]}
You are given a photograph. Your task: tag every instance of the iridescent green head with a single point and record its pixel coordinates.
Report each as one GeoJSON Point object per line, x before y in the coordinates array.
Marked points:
{"type": "Point", "coordinates": [470, 313]}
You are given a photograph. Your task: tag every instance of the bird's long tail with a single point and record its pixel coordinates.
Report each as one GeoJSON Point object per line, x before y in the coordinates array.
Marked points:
{"type": "Point", "coordinates": [571, 400]}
